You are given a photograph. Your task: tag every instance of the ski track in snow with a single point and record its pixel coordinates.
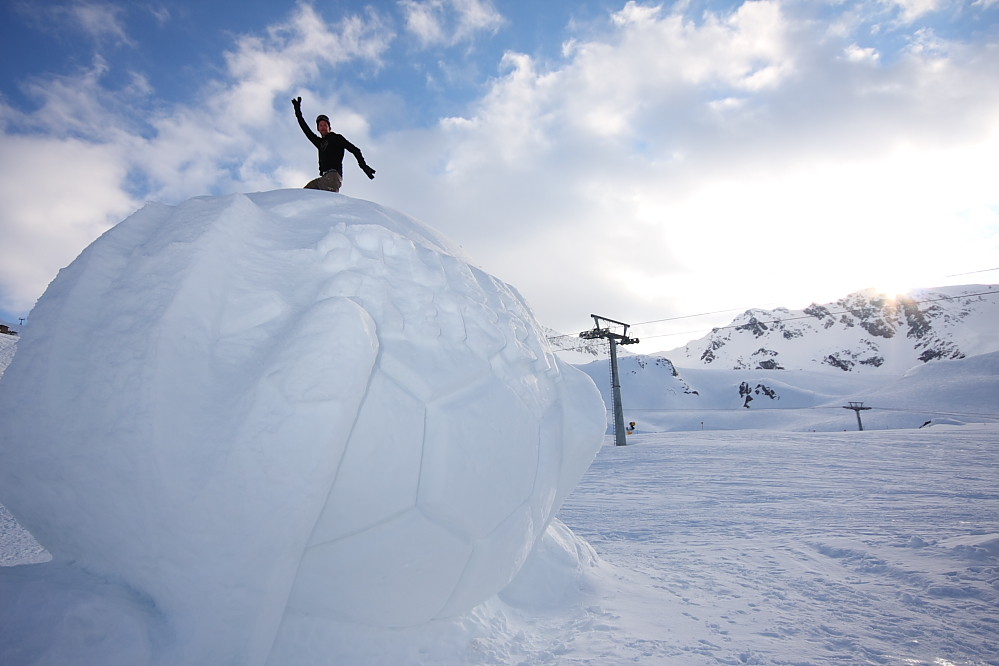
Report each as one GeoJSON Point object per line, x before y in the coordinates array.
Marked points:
{"type": "Point", "coordinates": [798, 548]}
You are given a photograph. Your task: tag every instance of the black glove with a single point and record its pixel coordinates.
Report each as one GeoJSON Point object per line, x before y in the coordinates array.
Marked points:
{"type": "Point", "coordinates": [369, 171]}
{"type": "Point", "coordinates": [297, 103]}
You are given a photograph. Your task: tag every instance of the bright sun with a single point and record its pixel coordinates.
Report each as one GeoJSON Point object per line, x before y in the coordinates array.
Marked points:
{"type": "Point", "coordinates": [893, 289]}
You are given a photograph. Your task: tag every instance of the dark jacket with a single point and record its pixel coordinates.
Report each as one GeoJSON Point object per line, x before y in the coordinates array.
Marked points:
{"type": "Point", "coordinates": [331, 148]}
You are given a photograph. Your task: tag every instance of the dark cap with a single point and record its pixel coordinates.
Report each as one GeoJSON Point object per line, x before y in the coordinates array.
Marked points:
{"type": "Point", "coordinates": [322, 116]}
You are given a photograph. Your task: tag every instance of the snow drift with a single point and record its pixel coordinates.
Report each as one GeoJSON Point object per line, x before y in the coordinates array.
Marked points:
{"type": "Point", "coordinates": [301, 408]}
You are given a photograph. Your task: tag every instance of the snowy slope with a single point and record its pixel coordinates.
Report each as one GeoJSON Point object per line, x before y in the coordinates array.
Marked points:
{"type": "Point", "coordinates": [959, 391]}
{"type": "Point", "coordinates": [863, 332]}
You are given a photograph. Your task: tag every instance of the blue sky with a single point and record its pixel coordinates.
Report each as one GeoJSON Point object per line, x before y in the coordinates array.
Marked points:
{"type": "Point", "coordinates": [638, 160]}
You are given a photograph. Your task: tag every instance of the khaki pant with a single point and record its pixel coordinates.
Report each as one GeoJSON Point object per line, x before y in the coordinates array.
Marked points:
{"type": "Point", "coordinates": [330, 182]}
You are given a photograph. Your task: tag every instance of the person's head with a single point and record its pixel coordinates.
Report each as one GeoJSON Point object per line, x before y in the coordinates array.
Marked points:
{"type": "Point", "coordinates": [323, 124]}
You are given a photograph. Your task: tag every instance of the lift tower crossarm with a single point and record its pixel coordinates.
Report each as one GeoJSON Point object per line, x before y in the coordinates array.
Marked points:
{"type": "Point", "coordinates": [605, 332]}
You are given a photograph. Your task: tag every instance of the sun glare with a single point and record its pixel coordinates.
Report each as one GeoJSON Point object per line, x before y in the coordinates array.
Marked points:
{"type": "Point", "coordinates": [893, 289]}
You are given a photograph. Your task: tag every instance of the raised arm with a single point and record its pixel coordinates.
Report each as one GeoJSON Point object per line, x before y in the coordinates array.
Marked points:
{"type": "Point", "coordinates": [313, 137]}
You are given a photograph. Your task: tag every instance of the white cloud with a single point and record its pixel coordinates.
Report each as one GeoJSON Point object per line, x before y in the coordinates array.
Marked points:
{"type": "Point", "coordinates": [423, 21]}
{"type": "Point", "coordinates": [634, 13]}
{"type": "Point", "coordinates": [914, 9]}
{"type": "Point", "coordinates": [103, 22]}
{"type": "Point", "coordinates": [855, 53]}
{"type": "Point", "coordinates": [100, 20]}
{"type": "Point", "coordinates": [61, 177]}
{"type": "Point", "coordinates": [449, 22]}
{"type": "Point", "coordinates": [56, 196]}
{"type": "Point", "coordinates": [79, 104]}
{"type": "Point", "coordinates": [624, 82]}
{"type": "Point", "coordinates": [703, 164]}
{"type": "Point", "coordinates": [261, 67]}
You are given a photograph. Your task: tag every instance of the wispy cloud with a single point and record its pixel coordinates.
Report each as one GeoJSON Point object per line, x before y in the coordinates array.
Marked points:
{"type": "Point", "coordinates": [103, 22]}
{"type": "Point", "coordinates": [449, 22]}
{"type": "Point", "coordinates": [913, 9]}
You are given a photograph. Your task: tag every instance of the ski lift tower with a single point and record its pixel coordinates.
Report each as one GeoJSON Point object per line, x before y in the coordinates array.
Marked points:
{"type": "Point", "coordinates": [857, 407]}
{"type": "Point", "coordinates": [614, 339]}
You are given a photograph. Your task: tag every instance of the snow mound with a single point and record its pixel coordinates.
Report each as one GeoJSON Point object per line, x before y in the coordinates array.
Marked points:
{"type": "Point", "coordinates": [976, 546]}
{"type": "Point", "coordinates": [292, 404]}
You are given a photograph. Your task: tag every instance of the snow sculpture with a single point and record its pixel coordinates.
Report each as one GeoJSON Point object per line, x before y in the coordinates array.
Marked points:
{"type": "Point", "coordinates": [285, 404]}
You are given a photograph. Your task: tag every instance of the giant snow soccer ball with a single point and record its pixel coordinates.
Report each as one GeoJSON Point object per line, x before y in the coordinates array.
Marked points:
{"type": "Point", "coordinates": [284, 403]}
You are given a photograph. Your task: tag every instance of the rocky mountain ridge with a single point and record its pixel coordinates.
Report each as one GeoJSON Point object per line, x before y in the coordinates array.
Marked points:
{"type": "Point", "coordinates": [862, 332]}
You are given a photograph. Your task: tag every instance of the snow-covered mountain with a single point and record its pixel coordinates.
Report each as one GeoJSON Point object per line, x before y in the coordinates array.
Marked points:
{"type": "Point", "coordinates": [864, 332]}
{"type": "Point", "coordinates": [932, 356]}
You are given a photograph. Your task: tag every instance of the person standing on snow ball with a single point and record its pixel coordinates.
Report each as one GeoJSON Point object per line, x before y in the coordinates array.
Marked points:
{"type": "Point", "coordinates": [331, 147]}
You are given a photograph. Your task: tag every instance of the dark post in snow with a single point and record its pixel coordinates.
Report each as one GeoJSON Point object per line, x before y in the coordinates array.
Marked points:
{"type": "Point", "coordinates": [857, 407]}
{"type": "Point", "coordinates": [614, 339]}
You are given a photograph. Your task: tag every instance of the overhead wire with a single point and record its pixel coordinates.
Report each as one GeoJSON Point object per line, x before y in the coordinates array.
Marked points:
{"type": "Point", "coordinates": [984, 270]}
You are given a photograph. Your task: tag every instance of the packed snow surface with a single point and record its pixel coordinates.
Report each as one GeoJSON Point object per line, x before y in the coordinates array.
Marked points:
{"type": "Point", "coordinates": [774, 547]}
{"type": "Point", "coordinates": [239, 421]}
{"type": "Point", "coordinates": [748, 547]}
